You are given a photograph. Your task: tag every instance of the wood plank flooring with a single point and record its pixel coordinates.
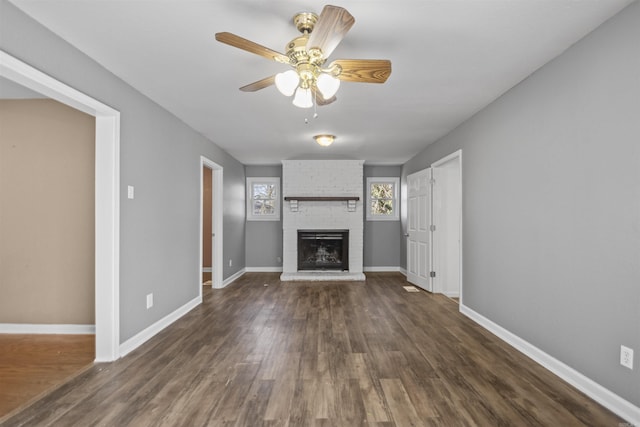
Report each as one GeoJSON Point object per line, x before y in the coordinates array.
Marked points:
{"type": "Point", "coordinates": [319, 354]}
{"type": "Point", "coordinates": [32, 364]}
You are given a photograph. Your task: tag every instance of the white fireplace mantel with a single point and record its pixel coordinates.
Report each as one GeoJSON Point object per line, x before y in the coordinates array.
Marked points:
{"type": "Point", "coordinates": [293, 201]}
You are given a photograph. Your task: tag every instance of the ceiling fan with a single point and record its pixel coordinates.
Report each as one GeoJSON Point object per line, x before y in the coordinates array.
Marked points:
{"type": "Point", "coordinates": [307, 54]}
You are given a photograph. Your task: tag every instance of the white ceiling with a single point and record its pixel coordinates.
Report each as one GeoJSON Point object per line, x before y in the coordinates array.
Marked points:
{"type": "Point", "coordinates": [450, 58]}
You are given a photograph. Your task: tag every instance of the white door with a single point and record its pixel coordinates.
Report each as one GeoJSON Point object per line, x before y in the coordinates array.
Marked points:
{"type": "Point", "coordinates": [418, 229]}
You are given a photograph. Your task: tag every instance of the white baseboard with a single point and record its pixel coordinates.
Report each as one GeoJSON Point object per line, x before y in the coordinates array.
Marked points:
{"type": "Point", "coordinates": [28, 328]}
{"type": "Point", "coordinates": [380, 269]}
{"type": "Point", "coordinates": [605, 397]}
{"type": "Point", "coordinates": [143, 336]}
{"type": "Point", "coordinates": [233, 277]}
{"type": "Point", "coordinates": [263, 269]}
{"type": "Point", "coordinates": [207, 269]}
{"type": "Point", "coordinates": [403, 271]}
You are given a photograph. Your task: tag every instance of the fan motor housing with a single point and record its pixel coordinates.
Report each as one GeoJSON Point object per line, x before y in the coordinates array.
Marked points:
{"type": "Point", "coordinates": [297, 52]}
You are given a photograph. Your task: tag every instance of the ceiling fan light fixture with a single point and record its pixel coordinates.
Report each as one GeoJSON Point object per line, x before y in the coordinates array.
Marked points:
{"type": "Point", "coordinates": [287, 82]}
{"type": "Point", "coordinates": [324, 140]}
{"type": "Point", "coordinates": [309, 83]}
{"type": "Point", "coordinates": [302, 98]}
{"type": "Point", "coordinates": [327, 85]}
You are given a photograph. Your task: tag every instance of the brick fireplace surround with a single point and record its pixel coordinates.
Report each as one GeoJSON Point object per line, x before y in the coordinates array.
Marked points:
{"type": "Point", "coordinates": [323, 179]}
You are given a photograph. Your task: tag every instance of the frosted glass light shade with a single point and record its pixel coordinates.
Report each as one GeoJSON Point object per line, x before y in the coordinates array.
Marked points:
{"type": "Point", "coordinates": [303, 98]}
{"type": "Point", "coordinates": [287, 82]}
{"type": "Point", "coordinates": [327, 85]}
{"type": "Point", "coordinates": [324, 140]}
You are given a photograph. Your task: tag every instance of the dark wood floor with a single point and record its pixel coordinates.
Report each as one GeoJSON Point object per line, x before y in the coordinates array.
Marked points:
{"type": "Point", "coordinates": [319, 354]}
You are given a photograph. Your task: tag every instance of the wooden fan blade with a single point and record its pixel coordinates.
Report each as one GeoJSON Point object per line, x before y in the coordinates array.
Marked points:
{"type": "Point", "coordinates": [319, 99]}
{"type": "Point", "coordinates": [363, 70]}
{"type": "Point", "coordinates": [332, 26]}
{"type": "Point", "coordinates": [249, 46]}
{"type": "Point", "coordinates": [260, 84]}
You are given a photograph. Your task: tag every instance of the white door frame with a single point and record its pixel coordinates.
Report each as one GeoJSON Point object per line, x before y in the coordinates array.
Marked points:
{"type": "Point", "coordinates": [217, 212]}
{"type": "Point", "coordinates": [439, 230]}
{"type": "Point", "coordinates": [107, 196]}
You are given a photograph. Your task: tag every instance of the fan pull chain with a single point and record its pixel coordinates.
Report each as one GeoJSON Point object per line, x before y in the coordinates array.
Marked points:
{"type": "Point", "coordinates": [315, 104]}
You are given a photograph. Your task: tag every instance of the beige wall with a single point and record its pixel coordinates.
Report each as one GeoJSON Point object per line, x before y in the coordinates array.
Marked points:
{"type": "Point", "coordinates": [46, 213]}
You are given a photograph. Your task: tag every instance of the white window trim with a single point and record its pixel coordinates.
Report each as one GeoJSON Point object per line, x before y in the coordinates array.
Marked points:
{"type": "Point", "coordinates": [251, 181]}
{"type": "Point", "coordinates": [396, 199]}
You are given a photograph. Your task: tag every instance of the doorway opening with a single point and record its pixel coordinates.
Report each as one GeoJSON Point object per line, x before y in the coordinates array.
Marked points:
{"type": "Point", "coordinates": [207, 225]}
{"type": "Point", "coordinates": [211, 211]}
{"type": "Point", "coordinates": [107, 196]}
{"type": "Point", "coordinates": [447, 218]}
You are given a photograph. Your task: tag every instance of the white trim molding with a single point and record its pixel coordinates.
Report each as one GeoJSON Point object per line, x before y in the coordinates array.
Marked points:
{"type": "Point", "coordinates": [146, 334]}
{"type": "Point", "coordinates": [107, 195]}
{"type": "Point", "coordinates": [605, 397]}
{"type": "Point", "coordinates": [263, 269]}
{"type": "Point", "coordinates": [437, 249]}
{"type": "Point", "coordinates": [217, 213]}
{"type": "Point", "coordinates": [29, 328]}
{"type": "Point", "coordinates": [233, 277]}
{"type": "Point", "coordinates": [381, 269]}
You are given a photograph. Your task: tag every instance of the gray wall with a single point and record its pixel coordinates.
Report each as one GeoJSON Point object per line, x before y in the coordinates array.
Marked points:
{"type": "Point", "coordinates": [264, 238]}
{"type": "Point", "coordinates": [382, 239]}
{"type": "Point", "coordinates": [551, 195]}
{"type": "Point", "coordinates": [160, 156]}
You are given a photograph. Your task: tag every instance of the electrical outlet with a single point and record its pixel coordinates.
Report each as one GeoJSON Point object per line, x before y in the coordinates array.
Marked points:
{"type": "Point", "coordinates": [626, 357]}
{"type": "Point", "coordinates": [279, 259]}
{"type": "Point", "coordinates": [149, 301]}
{"type": "Point", "coordinates": [230, 263]}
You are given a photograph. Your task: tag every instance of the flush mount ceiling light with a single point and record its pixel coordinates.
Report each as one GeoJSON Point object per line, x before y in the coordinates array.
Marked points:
{"type": "Point", "coordinates": [324, 140]}
{"type": "Point", "coordinates": [308, 81]}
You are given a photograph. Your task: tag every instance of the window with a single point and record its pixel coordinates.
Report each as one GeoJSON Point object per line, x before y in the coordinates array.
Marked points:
{"type": "Point", "coordinates": [382, 199]}
{"type": "Point", "coordinates": [263, 199]}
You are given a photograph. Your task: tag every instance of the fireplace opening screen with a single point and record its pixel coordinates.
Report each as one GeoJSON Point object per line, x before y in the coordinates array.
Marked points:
{"type": "Point", "coordinates": [323, 250]}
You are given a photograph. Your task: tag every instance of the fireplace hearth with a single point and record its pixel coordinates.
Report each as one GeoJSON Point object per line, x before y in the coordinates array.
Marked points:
{"type": "Point", "coordinates": [323, 250]}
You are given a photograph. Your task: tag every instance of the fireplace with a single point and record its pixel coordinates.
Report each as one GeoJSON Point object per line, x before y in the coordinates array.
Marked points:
{"type": "Point", "coordinates": [319, 197]}
{"type": "Point", "coordinates": [323, 250]}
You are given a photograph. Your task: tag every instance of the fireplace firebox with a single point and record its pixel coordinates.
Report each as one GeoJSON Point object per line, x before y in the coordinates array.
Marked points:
{"type": "Point", "coordinates": [323, 250]}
